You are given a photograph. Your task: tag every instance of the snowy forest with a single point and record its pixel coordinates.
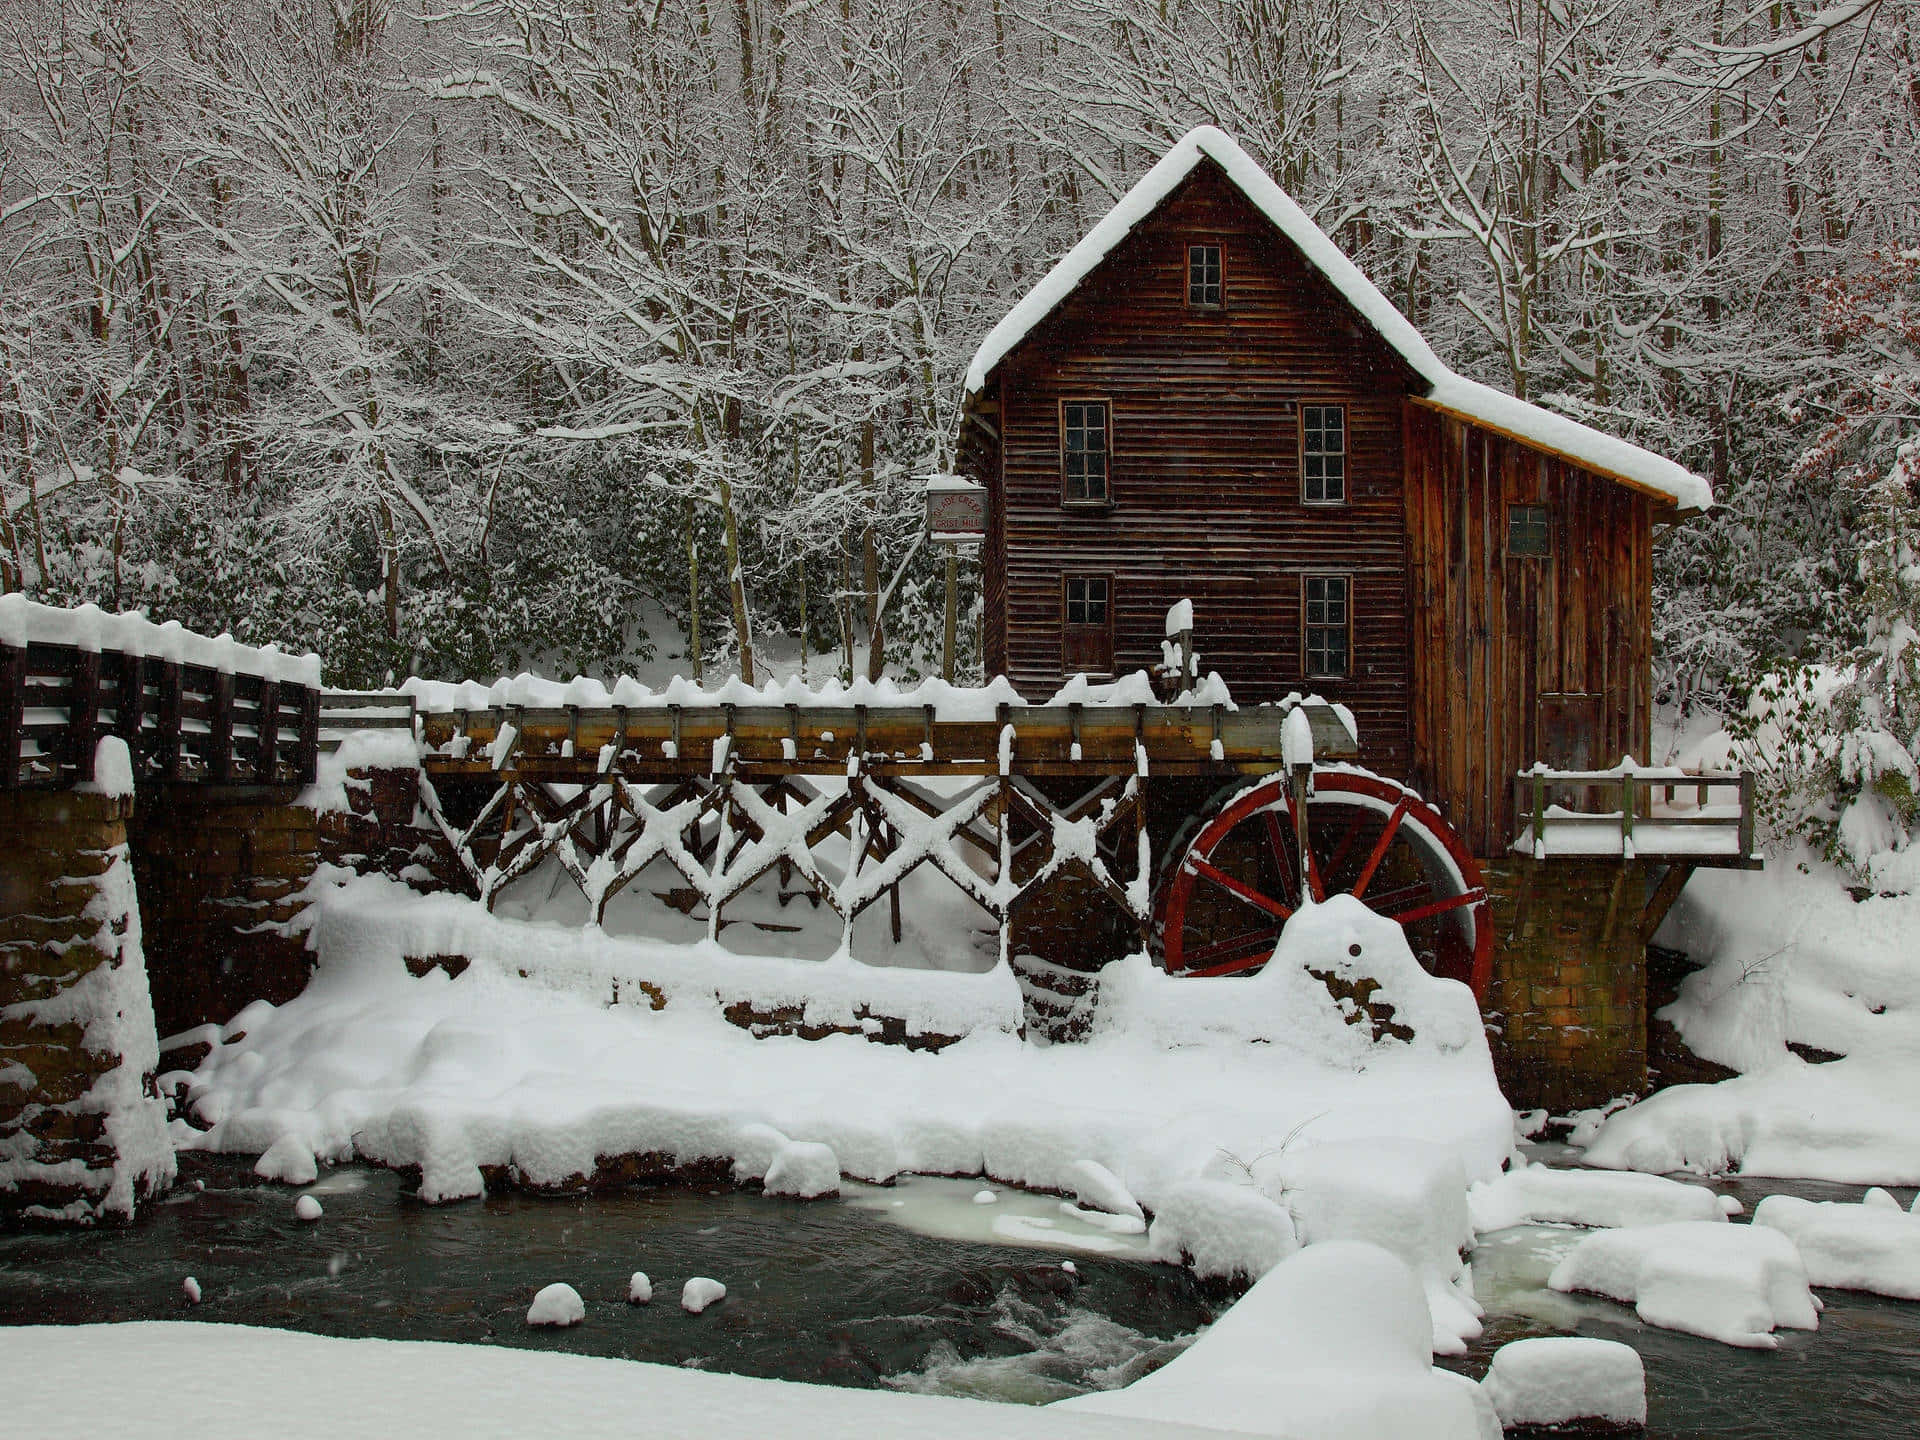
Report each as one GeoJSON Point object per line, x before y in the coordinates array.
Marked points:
{"type": "Point", "coordinates": [572, 332]}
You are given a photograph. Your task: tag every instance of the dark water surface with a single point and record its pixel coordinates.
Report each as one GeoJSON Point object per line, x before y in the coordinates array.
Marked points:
{"type": "Point", "coordinates": [838, 1293]}
{"type": "Point", "coordinates": [816, 1291]}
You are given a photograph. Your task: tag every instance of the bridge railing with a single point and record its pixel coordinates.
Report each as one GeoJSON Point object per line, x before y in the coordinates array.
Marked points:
{"type": "Point", "coordinates": [191, 708]}
{"type": "Point", "coordinates": [1644, 814]}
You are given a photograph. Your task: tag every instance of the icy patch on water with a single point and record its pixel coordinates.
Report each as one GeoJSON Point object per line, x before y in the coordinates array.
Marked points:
{"type": "Point", "coordinates": [947, 1210]}
{"type": "Point", "coordinates": [1060, 1356]}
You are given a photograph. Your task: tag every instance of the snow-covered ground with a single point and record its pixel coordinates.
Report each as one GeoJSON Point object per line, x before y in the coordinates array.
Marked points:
{"type": "Point", "coordinates": [1790, 956]}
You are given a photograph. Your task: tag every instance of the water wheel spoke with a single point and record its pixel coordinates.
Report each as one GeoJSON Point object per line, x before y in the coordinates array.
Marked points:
{"type": "Point", "coordinates": [1393, 900]}
{"type": "Point", "coordinates": [1224, 957]}
{"type": "Point", "coordinates": [1237, 888]}
{"type": "Point", "coordinates": [1380, 848]}
{"type": "Point", "coordinates": [1441, 906]}
{"type": "Point", "coordinates": [1349, 840]}
{"type": "Point", "coordinates": [1282, 860]}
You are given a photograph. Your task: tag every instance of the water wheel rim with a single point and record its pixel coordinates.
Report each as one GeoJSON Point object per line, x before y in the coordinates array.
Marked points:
{"type": "Point", "coordinates": [1460, 888]}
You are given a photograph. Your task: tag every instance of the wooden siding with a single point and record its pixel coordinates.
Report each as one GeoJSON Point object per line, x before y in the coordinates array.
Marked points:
{"type": "Point", "coordinates": [1205, 468]}
{"type": "Point", "coordinates": [1493, 633]}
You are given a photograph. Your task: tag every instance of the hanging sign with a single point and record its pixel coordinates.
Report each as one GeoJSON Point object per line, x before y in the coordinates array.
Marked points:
{"type": "Point", "coordinates": [956, 509]}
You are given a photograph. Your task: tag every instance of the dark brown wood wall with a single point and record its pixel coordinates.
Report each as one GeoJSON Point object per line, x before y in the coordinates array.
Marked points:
{"type": "Point", "coordinates": [1495, 632]}
{"type": "Point", "coordinates": [1205, 470]}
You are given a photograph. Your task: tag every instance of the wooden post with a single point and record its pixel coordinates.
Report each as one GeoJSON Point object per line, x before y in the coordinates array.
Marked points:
{"type": "Point", "coordinates": [1297, 795]}
{"type": "Point", "coordinates": [83, 712]}
{"type": "Point", "coordinates": [130, 700]}
{"type": "Point", "coordinates": [1539, 814]}
{"type": "Point", "coordinates": [307, 766]}
{"type": "Point", "coordinates": [166, 746]}
{"type": "Point", "coordinates": [13, 684]}
{"type": "Point", "coordinates": [1627, 786]}
{"type": "Point", "coordinates": [266, 752]}
{"type": "Point", "coordinates": [1746, 815]}
{"type": "Point", "coordinates": [953, 614]}
{"type": "Point", "coordinates": [220, 729]}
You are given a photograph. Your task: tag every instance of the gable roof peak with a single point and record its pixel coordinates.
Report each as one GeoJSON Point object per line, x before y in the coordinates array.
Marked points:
{"type": "Point", "coordinates": [1593, 449]}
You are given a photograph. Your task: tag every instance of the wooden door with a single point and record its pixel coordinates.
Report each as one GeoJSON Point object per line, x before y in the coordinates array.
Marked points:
{"type": "Point", "coordinates": [1086, 630]}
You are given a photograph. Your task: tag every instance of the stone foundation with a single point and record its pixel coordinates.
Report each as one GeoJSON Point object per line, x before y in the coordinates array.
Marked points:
{"type": "Point", "coordinates": [221, 871]}
{"type": "Point", "coordinates": [1567, 1008]}
{"type": "Point", "coordinates": [82, 1134]}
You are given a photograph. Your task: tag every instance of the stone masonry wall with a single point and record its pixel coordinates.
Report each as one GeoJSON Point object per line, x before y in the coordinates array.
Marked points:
{"type": "Point", "coordinates": [82, 1136]}
{"type": "Point", "coordinates": [221, 872]}
{"type": "Point", "coordinates": [1567, 1009]}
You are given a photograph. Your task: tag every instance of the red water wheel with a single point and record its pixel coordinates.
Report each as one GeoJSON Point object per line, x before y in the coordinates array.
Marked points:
{"type": "Point", "coordinates": [1241, 874]}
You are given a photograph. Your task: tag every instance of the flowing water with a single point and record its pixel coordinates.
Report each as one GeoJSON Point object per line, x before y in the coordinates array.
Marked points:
{"type": "Point", "coordinates": [912, 1286]}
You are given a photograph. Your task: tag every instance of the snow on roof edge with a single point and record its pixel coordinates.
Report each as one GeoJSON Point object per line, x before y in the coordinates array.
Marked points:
{"type": "Point", "coordinates": [1607, 454]}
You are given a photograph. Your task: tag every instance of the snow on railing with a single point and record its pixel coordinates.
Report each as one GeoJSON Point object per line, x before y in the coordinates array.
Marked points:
{"type": "Point", "coordinates": [189, 707]}
{"type": "Point", "coordinates": [1636, 812]}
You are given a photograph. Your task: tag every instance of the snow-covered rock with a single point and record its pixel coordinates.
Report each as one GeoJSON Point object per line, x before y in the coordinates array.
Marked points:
{"type": "Point", "coordinates": [1098, 1188]}
{"type": "Point", "coordinates": [1332, 1342]}
{"type": "Point", "coordinates": [1563, 1379]}
{"type": "Point", "coordinates": [639, 1289]}
{"type": "Point", "coordinates": [1537, 1195]}
{"type": "Point", "coordinates": [985, 1197]}
{"type": "Point", "coordinates": [307, 1209]}
{"type": "Point", "coordinates": [558, 1305]}
{"type": "Point", "coordinates": [288, 1160]}
{"type": "Point", "coordinates": [1874, 1245]}
{"type": "Point", "coordinates": [1222, 1229]}
{"type": "Point", "coordinates": [190, 1287]}
{"type": "Point", "coordinates": [805, 1169]}
{"type": "Point", "coordinates": [1732, 1283]}
{"type": "Point", "coordinates": [1406, 1196]}
{"type": "Point", "coordinates": [700, 1292]}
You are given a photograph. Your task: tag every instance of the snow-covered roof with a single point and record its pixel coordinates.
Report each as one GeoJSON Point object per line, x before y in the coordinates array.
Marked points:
{"type": "Point", "coordinates": [1582, 444]}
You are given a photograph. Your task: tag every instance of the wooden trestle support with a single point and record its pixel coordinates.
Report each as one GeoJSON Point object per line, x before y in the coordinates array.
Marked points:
{"type": "Point", "coordinates": [727, 794]}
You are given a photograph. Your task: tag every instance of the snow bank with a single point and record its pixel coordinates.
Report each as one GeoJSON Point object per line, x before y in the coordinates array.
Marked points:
{"type": "Point", "coordinates": [88, 627]}
{"type": "Point", "coordinates": [1869, 1246]}
{"type": "Point", "coordinates": [1222, 1230]}
{"type": "Point", "coordinates": [523, 1063]}
{"type": "Point", "coordinates": [1332, 1343]}
{"type": "Point", "coordinates": [1406, 1196]}
{"type": "Point", "coordinates": [558, 1305]}
{"type": "Point", "coordinates": [1593, 448]}
{"type": "Point", "coordinates": [1563, 1379]}
{"type": "Point", "coordinates": [1536, 1195]}
{"type": "Point", "coordinates": [804, 1169]}
{"type": "Point", "coordinates": [1732, 1283]}
{"type": "Point", "coordinates": [233, 1382]}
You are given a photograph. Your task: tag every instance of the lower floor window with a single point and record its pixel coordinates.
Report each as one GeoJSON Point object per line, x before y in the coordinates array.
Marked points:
{"type": "Point", "coordinates": [1328, 626]}
{"type": "Point", "coordinates": [1087, 637]}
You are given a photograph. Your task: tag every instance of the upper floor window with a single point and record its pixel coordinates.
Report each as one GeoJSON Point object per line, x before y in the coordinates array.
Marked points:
{"type": "Point", "coordinates": [1529, 530]}
{"type": "Point", "coordinates": [1327, 624]}
{"type": "Point", "coordinates": [1084, 448]}
{"type": "Point", "coordinates": [1203, 276]}
{"type": "Point", "coordinates": [1323, 454]}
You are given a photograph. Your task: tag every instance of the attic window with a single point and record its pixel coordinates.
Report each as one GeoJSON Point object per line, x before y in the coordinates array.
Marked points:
{"type": "Point", "coordinates": [1203, 276]}
{"type": "Point", "coordinates": [1529, 530]}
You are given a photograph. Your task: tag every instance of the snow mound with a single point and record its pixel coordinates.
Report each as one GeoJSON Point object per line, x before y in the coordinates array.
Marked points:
{"type": "Point", "coordinates": [1406, 1196]}
{"type": "Point", "coordinates": [190, 1287]}
{"type": "Point", "coordinates": [289, 1161]}
{"type": "Point", "coordinates": [1563, 1379]}
{"type": "Point", "coordinates": [112, 769]}
{"type": "Point", "coordinates": [1222, 1229]}
{"type": "Point", "coordinates": [985, 1197]}
{"type": "Point", "coordinates": [1874, 1245]}
{"type": "Point", "coordinates": [1303, 999]}
{"type": "Point", "coordinates": [558, 1305]}
{"type": "Point", "coordinates": [639, 1289]}
{"type": "Point", "coordinates": [1098, 1188]}
{"type": "Point", "coordinates": [805, 1169]}
{"type": "Point", "coordinates": [307, 1209]}
{"type": "Point", "coordinates": [1732, 1283]}
{"type": "Point", "coordinates": [1537, 1195]}
{"type": "Point", "coordinates": [700, 1292]}
{"type": "Point", "coordinates": [1332, 1342]}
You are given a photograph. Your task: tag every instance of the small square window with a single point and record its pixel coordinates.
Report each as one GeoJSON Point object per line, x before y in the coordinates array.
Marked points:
{"type": "Point", "coordinates": [1328, 624]}
{"type": "Point", "coordinates": [1203, 276]}
{"type": "Point", "coordinates": [1529, 530]}
{"type": "Point", "coordinates": [1086, 600]}
{"type": "Point", "coordinates": [1323, 454]}
{"type": "Point", "coordinates": [1083, 450]}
